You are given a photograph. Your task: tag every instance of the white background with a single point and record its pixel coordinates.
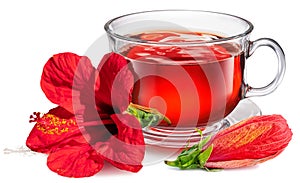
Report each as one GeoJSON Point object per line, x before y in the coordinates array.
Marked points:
{"type": "Point", "coordinates": [32, 31]}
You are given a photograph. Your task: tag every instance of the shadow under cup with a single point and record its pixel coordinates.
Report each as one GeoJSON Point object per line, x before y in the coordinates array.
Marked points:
{"type": "Point", "coordinates": [189, 65]}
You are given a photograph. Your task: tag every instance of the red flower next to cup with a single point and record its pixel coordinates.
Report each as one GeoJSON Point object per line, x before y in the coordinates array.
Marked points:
{"type": "Point", "coordinates": [87, 127]}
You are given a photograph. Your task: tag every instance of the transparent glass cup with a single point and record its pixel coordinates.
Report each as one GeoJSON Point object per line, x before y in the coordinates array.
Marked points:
{"type": "Point", "coordinates": [189, 65]}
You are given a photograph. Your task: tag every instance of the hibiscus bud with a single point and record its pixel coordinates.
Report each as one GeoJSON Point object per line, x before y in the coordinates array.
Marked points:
{"type": "Point", "coordinates": [252, 141]}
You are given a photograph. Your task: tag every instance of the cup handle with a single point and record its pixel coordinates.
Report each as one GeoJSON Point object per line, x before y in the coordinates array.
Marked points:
{"type": "Point", "coordinates": [252, 91]}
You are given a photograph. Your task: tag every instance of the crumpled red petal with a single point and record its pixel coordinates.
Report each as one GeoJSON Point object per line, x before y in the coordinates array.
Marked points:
{"type": "Point", "coordinates": [65, 76]}
{"type": "Point", "coordinates": [116, 83]}
{"type": "Point", "coordinates": [75, 161]}
{"type": "Point", "coordinates": [56, 128]}
{"type": "Point", "coordinates": [125, 150]}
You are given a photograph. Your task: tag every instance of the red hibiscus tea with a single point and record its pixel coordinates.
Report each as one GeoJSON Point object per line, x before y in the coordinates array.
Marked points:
{"type": "Point", "coordinates": [192, 84]}
{"type": "Point", "coordinates": [189, 65]}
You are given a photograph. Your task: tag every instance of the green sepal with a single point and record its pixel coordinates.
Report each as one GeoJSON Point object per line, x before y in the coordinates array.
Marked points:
{"type": "Point", "coordinates": [194, 157]}
{"type": "Point", "coordinates": [204, 156]}
{"type": "Point", "coordinates": [203, 142]}
{"type": "Point", "coordinates": [146, 116]}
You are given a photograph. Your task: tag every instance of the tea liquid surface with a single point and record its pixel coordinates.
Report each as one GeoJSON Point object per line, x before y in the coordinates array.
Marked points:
{"type": "Point", "coordinates": [192, 84]}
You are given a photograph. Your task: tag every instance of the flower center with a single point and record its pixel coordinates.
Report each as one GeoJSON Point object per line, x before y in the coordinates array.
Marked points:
{"type": "Point", "coordinates": [51, 124]}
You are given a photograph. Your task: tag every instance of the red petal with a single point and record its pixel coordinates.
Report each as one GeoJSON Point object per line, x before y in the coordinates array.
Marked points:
{"type": "Point", "coordinates": [125, 150]}
{"type": "Point", "coordinates": [54, 129]}
{"type": "Point", "coordinates": [65, 77]}
{"type": "Point", "coordinates": [116, 82]}
{"type": "Point", "coordinates": [61, 113]}
{"type": "Point", "coordinates": [75, 161]}
{"type": "Point", "coordinates": [99, 133]}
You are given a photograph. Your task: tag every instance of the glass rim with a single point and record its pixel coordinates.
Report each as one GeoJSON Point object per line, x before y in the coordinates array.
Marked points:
{"type": "Point", "coordinates": [138, 41]}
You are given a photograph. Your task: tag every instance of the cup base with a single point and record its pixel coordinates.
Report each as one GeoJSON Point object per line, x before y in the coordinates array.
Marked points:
{"type": "Point", "coordinates": [174, 137]}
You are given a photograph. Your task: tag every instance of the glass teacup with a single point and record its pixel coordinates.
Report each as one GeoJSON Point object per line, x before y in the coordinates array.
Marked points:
{"type": "Point", "coordinates": [189, 65]}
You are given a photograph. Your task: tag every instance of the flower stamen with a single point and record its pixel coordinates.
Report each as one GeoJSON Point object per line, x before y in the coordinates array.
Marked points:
{"type": "Point", "coordinates": [51, 124]}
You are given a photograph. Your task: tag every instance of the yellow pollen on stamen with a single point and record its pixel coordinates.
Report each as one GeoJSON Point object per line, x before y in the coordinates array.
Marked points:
{"type": "Point", "coordinates": [50, 124]}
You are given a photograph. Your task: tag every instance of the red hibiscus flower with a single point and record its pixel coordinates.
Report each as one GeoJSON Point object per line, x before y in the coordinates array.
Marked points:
{"type": "Point", "coordinates": [91, 123]}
